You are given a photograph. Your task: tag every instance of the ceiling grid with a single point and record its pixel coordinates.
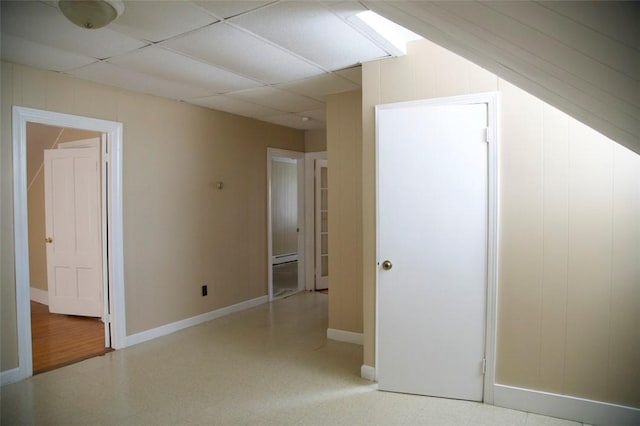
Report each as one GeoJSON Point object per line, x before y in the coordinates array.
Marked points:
{"type": "Point", "coordinates": [275, 61]}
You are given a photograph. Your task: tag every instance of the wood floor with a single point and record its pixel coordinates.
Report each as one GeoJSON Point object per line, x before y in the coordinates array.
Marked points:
{"type": "Point", "coordinates": [60, 340]}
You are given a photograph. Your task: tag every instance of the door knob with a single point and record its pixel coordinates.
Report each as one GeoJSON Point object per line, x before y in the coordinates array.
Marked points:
{"type": "Point", "coordinates": [386, 265]}
{"type": "Point", "coordinates": [48, 240]}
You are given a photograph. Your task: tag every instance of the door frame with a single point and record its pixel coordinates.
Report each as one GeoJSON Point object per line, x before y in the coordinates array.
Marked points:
{"type": "Point", "coordinates": [273, 153]}
{"type": "Point", "coordinates": [115, 255]}
{"type": "Point", "coordinates": [491, 99]}
{"type": "Point", "coordinates": [310, 216]}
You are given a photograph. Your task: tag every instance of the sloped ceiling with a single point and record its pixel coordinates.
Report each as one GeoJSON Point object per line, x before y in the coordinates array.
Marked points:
{"type": "Point", "coordinates": [582, 57]}
{"type": "Point", "coordinates": [277, 60]}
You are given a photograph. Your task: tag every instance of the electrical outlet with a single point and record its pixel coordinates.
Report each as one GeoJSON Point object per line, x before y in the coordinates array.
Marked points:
{"type": "Point", "coordinates": [204, 290]}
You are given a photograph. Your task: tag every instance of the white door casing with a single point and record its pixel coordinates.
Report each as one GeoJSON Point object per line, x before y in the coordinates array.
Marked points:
{"type": "Point", "coordinates": [436, 225]}
{"type": "Point", "coordinates": [299, 157]}
{"type": "Point", "coordinates": [73, 229]}
{"type": "Point", "coordinates": [321, 225]}
{"type": "Point", "coordinates": [113, 163]}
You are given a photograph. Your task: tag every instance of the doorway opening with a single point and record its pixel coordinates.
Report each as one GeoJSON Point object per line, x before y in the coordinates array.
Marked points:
{"type": "Point", "coordinates": [66, 220]}
{"type": "Point", "coordinates": [112, 268]}
{"type": "Point", "coordinates": [286, 257]}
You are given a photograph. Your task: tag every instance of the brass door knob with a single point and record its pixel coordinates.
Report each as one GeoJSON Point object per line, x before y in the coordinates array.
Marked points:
{"type": "Point", "coordinates": [48, 240]}
{"type": "Point", "coordinates": [386, 265]}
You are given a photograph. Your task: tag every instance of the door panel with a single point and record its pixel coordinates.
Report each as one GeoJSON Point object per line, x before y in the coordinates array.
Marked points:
{"type": "Point", "coordinates": [432, 219]}
{"type": "Point", "coordinates": [73, 226]}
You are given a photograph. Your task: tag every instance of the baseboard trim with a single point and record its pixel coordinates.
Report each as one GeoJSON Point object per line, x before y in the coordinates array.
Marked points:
{"type": "Point", "coordinates": [368, 372]}
{"type": "Point", "coordinates": [10, 376]}
{"type": "Point", "coordinates": [565, 407]}
{"type": "Point", "coordinates": [39, 296]}
{"type": "Point", "coordinates": [345, 336]}
{"type": "Point", "coordinates": [163, 330]}
{"type": "Point", "coordinates": [284, 258]}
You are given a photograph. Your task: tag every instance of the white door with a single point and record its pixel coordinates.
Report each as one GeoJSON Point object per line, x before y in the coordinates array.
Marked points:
{"type": "Point", "coordinates": [322, 225]}
{"type": "Point", "coordinates": [432, 229]}
{"type": "Point", "coordinates": [72, 222]}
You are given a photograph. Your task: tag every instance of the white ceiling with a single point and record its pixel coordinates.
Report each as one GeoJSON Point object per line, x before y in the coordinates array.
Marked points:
{"type": "Point", "coordinates": [271, 60]}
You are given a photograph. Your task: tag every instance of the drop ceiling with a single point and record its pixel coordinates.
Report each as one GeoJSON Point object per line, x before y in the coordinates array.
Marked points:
{"type": "Point", "coordinates": [275, 61]}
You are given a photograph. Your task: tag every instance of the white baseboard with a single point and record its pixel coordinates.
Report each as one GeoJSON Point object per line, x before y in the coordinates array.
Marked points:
{"type": "Point", "coordinates": [565, 407]}
{"type": "Point", "coordinates": [368, 372]}
{"type": "Point", "coordinates": [10, 376]}
{"type": "Point", "coordinates": [344, 336]}
{"type": "Point", "coordinates": [163, 330]}
{"type": "Point", "coordinates": [284, 258]}
{"type": "Point", "coordinates": [39, 296]}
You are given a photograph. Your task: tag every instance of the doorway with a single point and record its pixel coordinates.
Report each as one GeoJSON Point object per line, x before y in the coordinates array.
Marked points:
{"type": "Point", "coordinates": [66, 245]}
{"type": "Point", "coordinates": [111, 157]}
{"type": "Point", "coordinates": [286, 257]}
{"type": "Point", "coordinates": [435, 322]}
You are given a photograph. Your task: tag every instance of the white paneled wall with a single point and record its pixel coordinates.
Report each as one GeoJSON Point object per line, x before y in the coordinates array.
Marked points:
{"type": "Point", "coordinates": [569, 271]}
{"type": "Point", "coordinates": [569, 226]}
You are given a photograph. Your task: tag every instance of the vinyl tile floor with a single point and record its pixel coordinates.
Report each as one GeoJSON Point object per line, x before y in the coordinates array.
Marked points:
{"type": "Point", "coordinates": [270, 365]}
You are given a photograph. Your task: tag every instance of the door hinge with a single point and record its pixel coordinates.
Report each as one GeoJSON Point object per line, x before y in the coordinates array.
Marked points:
{"type": "Point", "coordinates": [484, 366]}
{"type": "Point", "coordinates": [105, 157]}
{"type": "Point", "coordinates": [107, 318]}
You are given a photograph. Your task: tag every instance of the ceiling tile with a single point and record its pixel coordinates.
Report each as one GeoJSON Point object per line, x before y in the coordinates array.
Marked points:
{"type": "Point", "coordinates": [277, 99]}
{"type": "Point", "coordinates": [113, 75]}
{"type": "Point", "coordinates": [41, 23]}
{"type": "Point", "coordinates": [312, 31]}
{"type": "Point", "coordinates": [227, 9]}
{"type": "Point", "coordinates": [160, 21]}
{"type": "Point", "coordinates": [21, 51]}
{"type": "Point", "coordinates": [237, 51]}
{"type": "Point", "coordinates": [354, 74]}
{"type": "Point", "coordinates": [295, 121]}
{"type": "Point", "coordinates": [321, 86]}
{"type": "Point", "coordinates": [234, 106]}
{"type": "Point", "coordinates": [173, 66]}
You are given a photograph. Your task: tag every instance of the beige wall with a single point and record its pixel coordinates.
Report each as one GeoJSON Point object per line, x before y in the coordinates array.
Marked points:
{"type": "Point", "coordinates": [39, 138]}
{"type": "Point", "coordinates": [315, 140]}
{"type": "Point", "coordinates": [344, 141]}
{"type": "Point", "coordinates": [284, 207]}
{"type": "Point", "coordinates": [179, 231]}
{"type": "Point", "coordinates": [569, 261]}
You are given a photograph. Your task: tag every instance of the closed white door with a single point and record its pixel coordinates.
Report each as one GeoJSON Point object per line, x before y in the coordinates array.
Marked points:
{"type": "Point", "coordinates": [72, 222]}
{"type": "Point", "coordinates": [432, 230]}
{"type": "Point", "coordinates": [322, 225]}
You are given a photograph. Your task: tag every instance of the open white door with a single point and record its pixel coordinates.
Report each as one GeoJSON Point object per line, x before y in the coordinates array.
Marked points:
{"type": "Point", "coordinates": [73, 227]}
{"type": "Point", "coordinates": [432, 230]}
{"type": "Point", "coordinates": [322, 225]}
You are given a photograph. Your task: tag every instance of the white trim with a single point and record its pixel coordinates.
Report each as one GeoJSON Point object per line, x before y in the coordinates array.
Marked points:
{"type": "Point", "coordinates": [309, 215]}
{"type": "Point", "coordinates": [10, 376]}
{"type": "Point", "coordinates": [284, 258]}
{"type": "Point", "coordinates": [163, 330]}
{"type": "Point", "coordinates": [344, 336]}
{"type": "Point", "coordinates": [39, 296]}
{"type": "Point", "coordinates": [492, 101]}
{"type": "Point", "coordinates": [21, 116]}
{"type": "Point", "coordinates": [279, 154]}
{"type": "Point", "coordinates": [565, 407]}
{"type": "Point", "coordinates": [368, 372]}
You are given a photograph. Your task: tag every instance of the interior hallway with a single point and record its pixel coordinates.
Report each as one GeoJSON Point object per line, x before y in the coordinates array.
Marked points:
{"type": "Point", "coordinates": [268, 365]}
